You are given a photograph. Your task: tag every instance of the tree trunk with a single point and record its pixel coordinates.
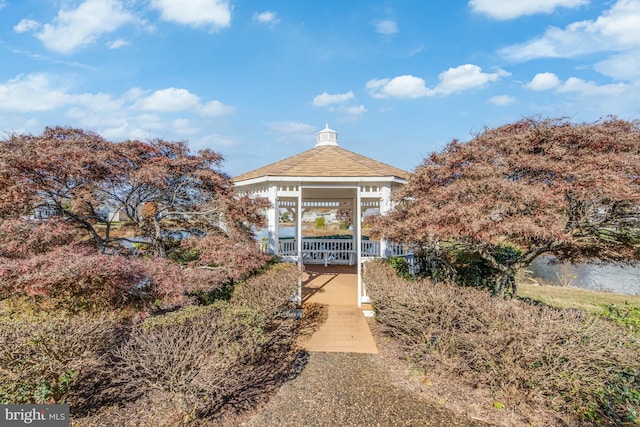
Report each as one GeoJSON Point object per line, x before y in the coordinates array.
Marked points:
{"type": "Point", "coordinates": [505, 284]}
{"type": "Point", "coordinates": [161, 250]}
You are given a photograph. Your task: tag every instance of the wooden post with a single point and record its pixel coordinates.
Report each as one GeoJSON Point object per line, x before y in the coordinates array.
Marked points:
{"type": "Point", "coordinates": [273, 221]}
{"type": "Point", "coordinates": [299, 243]}
{"type": "Point", "coordinates": [358, 242]}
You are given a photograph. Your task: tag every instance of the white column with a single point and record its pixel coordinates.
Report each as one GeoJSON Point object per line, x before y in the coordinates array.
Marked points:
{"type": "Point", "coordinates": [385, 207]}
{"type": "Point", "coordinates": [299, 243]}
{"type": "Point", "coordinates": [273, 220]}
{"type": "Point", "coordinates": [358, 238]}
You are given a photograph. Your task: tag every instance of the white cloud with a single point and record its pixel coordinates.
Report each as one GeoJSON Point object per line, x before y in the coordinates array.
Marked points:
{"type": "Point", "coordinates": [465, 77]}
{"type": "Point", "coordinates": [76, 28]}
{"type": "Point", "coordinates": [342, 103]}
{"type": "Point", "coordinates": [543, 81]}
{"type": "Point", "coordinates": [589, 88]}
{"type": "Point", "coordinates": [453, 80]}
{"type": "Point", "coordinates": [26, 25]}
{"type": "Point", "coordinates": [98, 102]}
{"type": "Point", "coordinates": [213, 140]}
{"type": "Point", "coordinates": [90, 120]}
{"type": "Point", "coordinates": [624, 66]}
{"type": "Point", "coordinates": [150, 121]}
{"type": "Point", "coordinates": [510, 9]}
{"type": "Point", "coordinates": [216, 108]}
{"type": "Point", "coordinates": [266, 17]}
{"type": "Point", "coordinates": [406, 86]}
{"type": "Point", "coordinates": [178, 100]}
{"type": "Point", "coordinates": [355, 110]}
{"type": "Point", "coordinates": [169, 100]}
{"type": "Point", "coordinates": [292, 131]}
{"type": "Point", "coordinates": [215, 14]}
{"type": "Point", "coordinates": [325, 99]}
{"type": "Point", "coordinates": [616, 29]}
{"type": "Point", "coordinates": [290, 127]}
{"type": "Point", "coordinates": [184, 126]}
{"type": "Point", "coordinates": [502, 100]}
{"type": "Point", "coordinates": [133, 114]}
{"type": "Point", "coordinates": [36, 93]}
{"type": "Point", "coordinates": [386, 27]}
{"type": "Point", "coordinates": [116, 44]}
{"type": "Point", "coordinates": [31, 93]}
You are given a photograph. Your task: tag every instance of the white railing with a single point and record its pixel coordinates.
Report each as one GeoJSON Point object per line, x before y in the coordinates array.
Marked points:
{"type": "Point", "coordinates": [398, 249]}
{"type": "Point", "coordinates": [328, 251]}
{"type": "Point", "coordinates": [370, 248]}
{"type": "Point", "coordinates": [337, 251]}
{"type": "Point", "coordinates": [287, 247]}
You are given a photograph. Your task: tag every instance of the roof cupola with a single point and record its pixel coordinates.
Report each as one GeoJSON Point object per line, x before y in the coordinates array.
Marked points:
{"type": "Point", "coordinates": [326, 137]}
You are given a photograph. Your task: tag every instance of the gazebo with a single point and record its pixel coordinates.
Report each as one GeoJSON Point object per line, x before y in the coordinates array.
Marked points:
{"type": "Point", "coordinates": [325, 177]}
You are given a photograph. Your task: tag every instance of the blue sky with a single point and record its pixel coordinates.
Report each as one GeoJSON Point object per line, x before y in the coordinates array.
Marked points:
{"type": "Point", "coordinates": [255, 80]}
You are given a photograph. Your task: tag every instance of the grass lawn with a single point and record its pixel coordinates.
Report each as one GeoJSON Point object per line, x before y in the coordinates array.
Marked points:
{"type": "Point", "coordinates": [564, 297]}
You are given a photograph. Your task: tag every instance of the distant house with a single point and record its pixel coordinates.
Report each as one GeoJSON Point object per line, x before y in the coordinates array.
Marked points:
{"type": "Point", "coordinates": [110, 214]}
{"type": "Point", "coordinates": [310, 216]}
{"type": "Point", "coordinates": [331, 217]}
{"type": "Point", "coordinates": [43, 212]}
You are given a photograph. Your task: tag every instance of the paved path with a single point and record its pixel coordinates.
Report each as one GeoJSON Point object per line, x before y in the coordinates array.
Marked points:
{"type": "Point", "coordinates": [351, 389]}
{"type": "Point", "coordinates": [345, 329]}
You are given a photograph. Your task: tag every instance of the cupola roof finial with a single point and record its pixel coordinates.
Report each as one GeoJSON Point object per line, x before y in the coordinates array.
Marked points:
{"type": "Point", "coordinates": [326, 137]}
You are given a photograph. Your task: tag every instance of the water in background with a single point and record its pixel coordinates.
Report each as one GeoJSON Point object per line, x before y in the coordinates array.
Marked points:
{"type": "Point", "coordinates": [610, 278]}
{"type": "Point", "coordinates": [283, 231]}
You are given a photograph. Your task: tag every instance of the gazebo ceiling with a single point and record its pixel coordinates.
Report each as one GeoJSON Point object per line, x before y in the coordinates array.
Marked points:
{"type": "Point", "coordinates": [329, 193]}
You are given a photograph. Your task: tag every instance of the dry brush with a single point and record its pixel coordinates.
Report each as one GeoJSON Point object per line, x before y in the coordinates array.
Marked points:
{"type": "Point", "coordinates": [572, 367]}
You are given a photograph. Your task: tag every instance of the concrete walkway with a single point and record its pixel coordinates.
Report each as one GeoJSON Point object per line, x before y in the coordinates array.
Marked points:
{"type": "Point", "coordinates": [346, 329]}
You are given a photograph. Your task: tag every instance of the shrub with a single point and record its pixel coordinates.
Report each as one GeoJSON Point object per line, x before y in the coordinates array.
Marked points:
{"type": "Point", "coordinates": [182, 356]}
{"type": "Point", "coordinates": [78, 279]}
{"type": "Point", "coordinates": [449, 262]}
{"type": "Point", "coordinates": [574, 366]}
{"type": "Point", "coordinates": [81, 279]}
{"type": "Point", "coordinates": [195, 360]}
{"type": "Point", "coordinates": [269, 291]}
{"type": "Point", "coordinates": [205, 359]}
{"type": "Point", "coordinates": [42, 357]}
{"type": "Point", "coordinates": [401, 267]}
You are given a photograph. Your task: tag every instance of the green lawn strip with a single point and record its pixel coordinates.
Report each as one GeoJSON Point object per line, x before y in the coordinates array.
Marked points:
{"type": "Point", "coordinates": [582, 299]}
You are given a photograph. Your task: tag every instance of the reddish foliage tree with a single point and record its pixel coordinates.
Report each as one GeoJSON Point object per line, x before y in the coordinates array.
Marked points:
{"type": "Point", "coordinates": [547, 186]}
{"type": "Point", "coordinates": [62, 170]}
{"type": "Point", "coordinates": [235, 257]}
{"type": "Point", "coordinates": [163, 190]}
{"type": "Point", "coordinates": [21, 238]}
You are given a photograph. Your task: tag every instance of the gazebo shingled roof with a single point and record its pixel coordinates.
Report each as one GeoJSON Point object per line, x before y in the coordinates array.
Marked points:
{"type": "Point", "coordinates": [326, 161]}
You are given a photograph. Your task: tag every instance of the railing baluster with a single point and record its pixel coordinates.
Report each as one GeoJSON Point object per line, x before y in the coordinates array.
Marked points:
{"type": "Point", "coordinates": [336, 251]}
